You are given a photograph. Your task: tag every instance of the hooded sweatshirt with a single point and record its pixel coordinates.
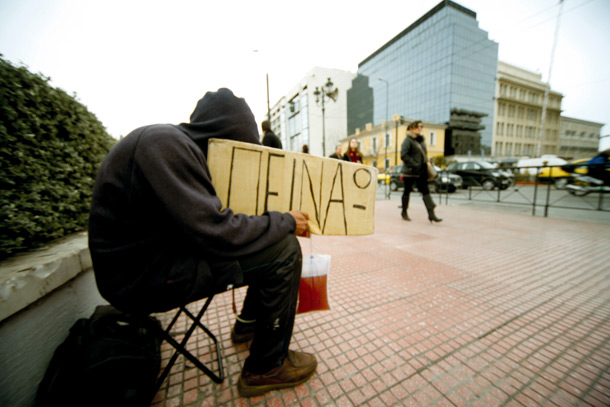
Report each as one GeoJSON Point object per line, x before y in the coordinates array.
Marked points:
{"type": "Point", "coordinates": [157, 235]}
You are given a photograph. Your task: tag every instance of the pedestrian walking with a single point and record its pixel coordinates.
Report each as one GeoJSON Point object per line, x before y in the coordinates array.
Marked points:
{"type": "Point", "coordinates": [415, 170]}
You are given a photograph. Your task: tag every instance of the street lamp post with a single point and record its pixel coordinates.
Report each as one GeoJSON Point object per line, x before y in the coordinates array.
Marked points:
{"type": "Point", "coordinates": [385, 134]}
{"type": "Point", "coordinates": [387, 92]}
{"type": "Point", "coordinates": [399, 122]}
{"type": "Point", "coordinates": [268, 108]}
{"type": "Point", "coordinates": [326, 91]}
{"type": "Point", "coordinates": [256, 51]}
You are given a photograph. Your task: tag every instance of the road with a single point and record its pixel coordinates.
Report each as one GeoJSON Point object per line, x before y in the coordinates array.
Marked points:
{"type": "Point", "coordinates": [520, 199]}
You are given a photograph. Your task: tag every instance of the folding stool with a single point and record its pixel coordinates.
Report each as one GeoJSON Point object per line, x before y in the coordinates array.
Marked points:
{"type": "Point", "coordinates": [180, 347]}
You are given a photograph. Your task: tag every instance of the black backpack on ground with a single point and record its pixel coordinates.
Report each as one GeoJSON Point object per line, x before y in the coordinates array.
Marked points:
{"type": "Point", "coordinates": [110, 359]}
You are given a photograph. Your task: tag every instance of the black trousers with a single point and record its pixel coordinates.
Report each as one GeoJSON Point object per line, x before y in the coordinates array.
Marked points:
{"type": "Point", "coordinates": [422, 186]}
{"type": "Point", "coordinates": [273, 276]}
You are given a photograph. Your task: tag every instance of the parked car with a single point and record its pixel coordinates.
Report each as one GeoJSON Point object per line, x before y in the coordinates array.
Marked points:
{"type": "Point", "coordinates": [396, 180]}
{"type": "Point", "coordinates": [561, 176]}
{"type": "Point", "coordinates": [483, 174]}
{"type": "Point", "coordinates": [445, 181]}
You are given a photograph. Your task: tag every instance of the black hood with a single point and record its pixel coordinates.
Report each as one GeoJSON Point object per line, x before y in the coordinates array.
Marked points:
{"type": "Point", "coordinates": [221, 115]}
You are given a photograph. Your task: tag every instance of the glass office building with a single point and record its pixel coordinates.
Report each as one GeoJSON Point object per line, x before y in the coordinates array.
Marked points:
{"type": "Point", "coordinates": [443, 61]}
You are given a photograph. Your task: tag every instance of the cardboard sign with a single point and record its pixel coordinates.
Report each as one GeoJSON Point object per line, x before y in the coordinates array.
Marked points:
{"type": "Point", "coordinates": [339, 196]}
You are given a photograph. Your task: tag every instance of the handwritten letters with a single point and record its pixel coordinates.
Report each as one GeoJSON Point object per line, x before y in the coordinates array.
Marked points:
{"type": "Point", "coordinates": [339, 196]}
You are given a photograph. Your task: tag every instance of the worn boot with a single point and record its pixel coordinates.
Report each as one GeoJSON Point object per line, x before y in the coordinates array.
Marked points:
{"type": "Point", "coordinates": [405, 206]}
{"type": "Point", "coordinates": [296, 369]}
{"type": "Point", "coordinates": [430, 207]}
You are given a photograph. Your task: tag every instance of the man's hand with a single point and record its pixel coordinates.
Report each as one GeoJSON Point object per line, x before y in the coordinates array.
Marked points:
{"type": "Point", "coordinates": [301, 220]}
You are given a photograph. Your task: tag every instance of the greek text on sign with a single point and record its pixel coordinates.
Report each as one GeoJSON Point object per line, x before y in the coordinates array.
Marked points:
{"type": "Point", "coordinates": [339, 196]}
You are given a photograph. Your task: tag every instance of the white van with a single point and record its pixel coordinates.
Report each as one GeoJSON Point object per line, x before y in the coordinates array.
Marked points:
{"type": "Point", "coordinates": [548, 159]}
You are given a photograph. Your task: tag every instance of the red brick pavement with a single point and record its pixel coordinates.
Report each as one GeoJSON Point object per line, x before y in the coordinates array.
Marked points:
{"type": "Point", "coordinates": [484, 309]}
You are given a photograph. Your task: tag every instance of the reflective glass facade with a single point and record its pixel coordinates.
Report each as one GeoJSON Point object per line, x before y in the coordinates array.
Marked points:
{"type": "Point", "coordinates": [440, 62]}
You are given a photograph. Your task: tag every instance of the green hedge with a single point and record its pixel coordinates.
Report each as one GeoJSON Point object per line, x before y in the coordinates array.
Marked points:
{"type": "Point", "coordinates": [50, 150]}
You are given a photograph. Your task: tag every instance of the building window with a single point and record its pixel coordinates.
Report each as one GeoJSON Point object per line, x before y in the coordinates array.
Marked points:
{"type": "Point", "coordinates": [499, 148]}
{"type": "Point", "coordinates": [531, 114]}
{"type": "Point", "coordinates": [374, 144]}
{"type": "Point", "coordinates": [432, 138]}
{"type": "Point", "coordinates": [294, 143]}
{"type": "Point", "coordinates": [304, 114]}
{"type": "Point", "coordinates": [387, 163]}
{"type": "Point", "coordinates": [387, 141]}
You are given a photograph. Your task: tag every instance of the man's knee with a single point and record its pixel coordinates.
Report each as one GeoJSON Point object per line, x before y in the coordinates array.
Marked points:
{"type": "Point", "coordinates": [290, 256]}
{"type": "Point", "coordinates": [278, 261]}
{"type": "Point", "coordinates": [291, 246]}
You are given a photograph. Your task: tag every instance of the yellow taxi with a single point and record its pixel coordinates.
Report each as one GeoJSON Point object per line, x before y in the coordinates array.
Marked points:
{"type": "Point", "coordinates": [383, 178]}
{"type": "Point", "coordinates": [559, 177]}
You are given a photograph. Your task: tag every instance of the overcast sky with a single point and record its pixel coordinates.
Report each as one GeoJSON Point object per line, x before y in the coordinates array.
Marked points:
{"type": "Point", "coordinates": [134, 63]}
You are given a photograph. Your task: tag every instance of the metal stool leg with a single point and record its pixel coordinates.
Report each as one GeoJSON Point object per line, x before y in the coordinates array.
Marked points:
{"type": "Point", "coordinates": [181, 349]}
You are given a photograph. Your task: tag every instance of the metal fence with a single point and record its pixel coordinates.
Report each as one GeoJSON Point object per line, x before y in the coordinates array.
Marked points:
{"type": "Point", "coordinates": [540, 193]}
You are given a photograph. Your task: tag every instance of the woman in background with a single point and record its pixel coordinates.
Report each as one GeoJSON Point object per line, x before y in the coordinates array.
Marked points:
{"type": "Point", "coordinates": [353, 154]}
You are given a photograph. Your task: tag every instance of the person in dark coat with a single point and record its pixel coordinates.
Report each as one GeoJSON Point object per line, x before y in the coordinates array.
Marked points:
{"type": "Point", "coordinates": [415, 170]}
{"type": "Point", "coordinates": [159, 238]}
{"type": "Point", "coordinates": [337, 154]}
{"type": "Point", "coordinates": [269, 137]}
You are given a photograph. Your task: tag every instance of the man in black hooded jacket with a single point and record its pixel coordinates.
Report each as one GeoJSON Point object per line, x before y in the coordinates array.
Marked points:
{"type": "Point", "coordinates": [159, 239]}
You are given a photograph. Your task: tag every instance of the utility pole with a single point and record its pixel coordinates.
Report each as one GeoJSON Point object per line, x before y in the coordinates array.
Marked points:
{"type": "Point", "coordinates": [548, 84]}
{"type": "Point", "coordinates": [385, 134]}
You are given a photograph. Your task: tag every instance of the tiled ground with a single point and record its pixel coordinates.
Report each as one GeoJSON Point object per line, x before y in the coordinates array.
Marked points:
{"type": "Point", "coordinates": [484, 309]}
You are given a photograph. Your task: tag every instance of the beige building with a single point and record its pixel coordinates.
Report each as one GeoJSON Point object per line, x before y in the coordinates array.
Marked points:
{"type": "Point", "coordinates": [518, 114]}
{"type": "Point", "coordinates": [578, 138]}
{"type": "Point", "coordinates": [381, 148]}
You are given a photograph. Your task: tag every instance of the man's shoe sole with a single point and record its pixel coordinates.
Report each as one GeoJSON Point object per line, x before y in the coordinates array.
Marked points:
{"type": "Point", "coordinates": [251, 391]}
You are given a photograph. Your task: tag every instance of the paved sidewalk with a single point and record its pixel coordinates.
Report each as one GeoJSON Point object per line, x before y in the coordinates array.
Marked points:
{"type": "Point", "coordinates": [484, 309]}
